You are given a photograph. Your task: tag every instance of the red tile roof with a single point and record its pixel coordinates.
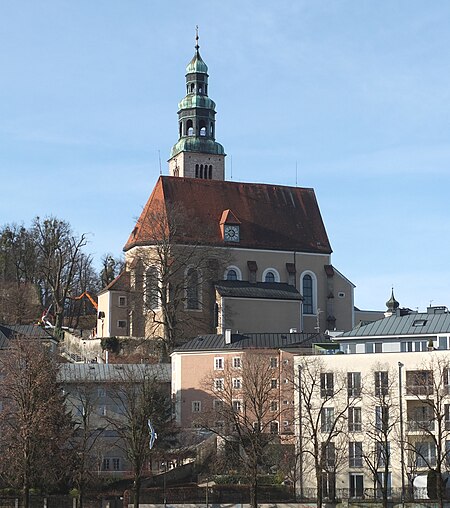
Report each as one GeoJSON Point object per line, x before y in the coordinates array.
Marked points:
{"type": "Point", "coordinates": [271, 217]}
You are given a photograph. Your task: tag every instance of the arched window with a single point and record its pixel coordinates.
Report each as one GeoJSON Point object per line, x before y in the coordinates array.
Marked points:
{"type": "Point", "coordinates": [212, 130]}
{"type": "Point", "coordinates": [202, 131]}
{"type": "Point", "coordinates": [232, 273]}
{"type": "Point", "coordinates": [201, 170]}
{"type": "Point", "coordinates": [270, 275]}
{"type": "Point", "coordinates": [200, 89]}
{"type": "Point", "coordinates": [308, 285]}
{"type": "Point", "coordinates": [206, 89]}
{"type": "Point", "coordinates": [190, 128]}
{"type": "Point", "coordinates": [181, 129]}
{"type": "Point", "coordinates": [151, 288]}
{"type": "Point", "coordinates": [196, 171]}
{"type": "Point", "coordinates": [210, 172]}
{"type": "Point", "coordinates": [193, 289]}
{"type": "Point", "coordinates": [192, 87]}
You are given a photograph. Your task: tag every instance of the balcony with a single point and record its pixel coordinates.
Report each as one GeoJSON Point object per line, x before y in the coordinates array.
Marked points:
{"type": "Point", "coordinates": [419, 390]}
{"type": "Point", "coordinates": [420, 425]}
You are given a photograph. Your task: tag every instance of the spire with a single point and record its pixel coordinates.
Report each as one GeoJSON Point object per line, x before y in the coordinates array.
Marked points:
{"type": "Point", "coordinates": [392, 304]}
{"type": "Point", "coordinates": [197, 127]}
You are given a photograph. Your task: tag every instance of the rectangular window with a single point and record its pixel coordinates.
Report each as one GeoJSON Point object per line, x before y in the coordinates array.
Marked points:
{"type": "Point", "coordinates": [381, 383]}
{"type": "Point", "coordinates": [218, 384]}
{"type": "Point", "coordinates": [116, 464]}
{"type": "Point", "coordinates": [237, 362]}
{"type": "Point", "coordinates": [425, 454]}
{"type": "Point", "coordinates": [101, 393]}
{"type": "Point", "coordinates": [274, 405]}
{"type": "Point", "coordinates": [102, 410]}
{"type": "Point", "coordinates": [327, 419]}
{"type": "Point", "coordinates": [354, 419]}
{"type": "Point", "coordinates": [421, 418]}
{"type": "Point", "coordinates": [446, 413]}
{"type": "Point", "coordinates": [354, 384]}
{"type": "Point", "coordinates": [274, 427]}
{"type": "Point", "coordinates": [374, 347]}
{"type": "Point", "coordinates": [218, 363]}
{"type": "Point", "coordinates": [380, 484]}
{"type": "Point", "coordinates": [355, 455]}
{"type": "Point", "coordinates": [274, 383]}
{"type": "Point", "coordinates": [442, 342]}
{"type": "Point", "coordinates": [419, 382]}
{"type": "Point", "coordinates": [382, 418]}
{"type": "Point", "coordinates": [218, 405]}
{"type": "Point", "coordinates": [326, 384]}
{"type": "Point", "coordinates": [237, 406]}
{"type": "Point", "coordinates": [329, 454]}
{"type": "Point", "coordinates": [274, 363]}
{"type": "Point", "coordinates": [356, 485]}
{"type": "Point", "coordinates": [329, 485]}
{"type": "Point", "coordinates": [122, 301]}
{"type": "Point", "coordinates": [121, 323]}
{"type": "Point", "coordinates": [196, 406]}
{"type": "Point", "coordinates": [106, 464]}
{"type": "Point", "coordinates": [237, 383]}
{"type": "Point", "coordinates": [382, 453]}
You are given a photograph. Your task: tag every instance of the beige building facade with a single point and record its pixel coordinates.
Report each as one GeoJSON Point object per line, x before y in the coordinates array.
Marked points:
{"type": "Point", "coordinates": [386, 408]}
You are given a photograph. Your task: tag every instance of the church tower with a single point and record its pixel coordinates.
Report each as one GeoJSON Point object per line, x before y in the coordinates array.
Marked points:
{"type": "Point", "coordinates": [196, 153]}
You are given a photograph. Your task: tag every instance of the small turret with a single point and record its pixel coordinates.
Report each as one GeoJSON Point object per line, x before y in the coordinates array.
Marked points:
{"type": "Point", "coordinates": [392, 305]}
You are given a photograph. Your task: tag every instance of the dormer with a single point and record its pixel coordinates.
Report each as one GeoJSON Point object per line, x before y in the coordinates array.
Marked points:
{"type": "Point", "coordinates": [230, 227]}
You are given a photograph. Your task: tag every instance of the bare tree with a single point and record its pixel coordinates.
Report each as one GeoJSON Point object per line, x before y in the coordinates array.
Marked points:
{"type": "Point", "coordinates": [58, 253]}
{"type": "Point", "coordinates": [325, 398]}
{"type": "Point", "coordinates": [429, 419]}
{"type": "Point", "coordinates": [139, 398]}
{"type": "Point", "coordinates": [246, 410]}
{"type": "Point", "coordinates": [381, 410]}
{"type": "Point", "coordinates": [34, 425]}
{"type": "Point", "coordinates": [173, 290]}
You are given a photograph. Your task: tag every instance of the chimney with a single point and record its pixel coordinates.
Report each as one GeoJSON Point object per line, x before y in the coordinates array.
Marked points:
{"type": "Point", "coordinates": [228, 336]}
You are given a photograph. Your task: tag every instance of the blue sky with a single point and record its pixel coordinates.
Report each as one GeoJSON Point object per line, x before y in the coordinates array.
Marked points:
{"type": "Point", "coordinates": [356, 93]}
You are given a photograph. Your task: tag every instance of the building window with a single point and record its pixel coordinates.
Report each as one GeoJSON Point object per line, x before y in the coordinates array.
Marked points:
{"type": "Point", "coordinates": [233, 273]}
{"type": "Point", "coordinates": [111, 464]}
{"type": "Point", "coordinates": [237, 406]}
{"type": "Point", "coordinates": [380, 476]}
{"type": "Point", "coordinates": [328, 454]}
{"type": "Point", "coordinates": [425, 454]}
{"type": "Point", "coordinates": [308, 285]}
{"type": "Point", "coordinates": [218, 405]}
{"type": "Point", "coordinates": [122, 301]}
{"type": "Point", "coordinates": [374, 347]}
{"type": "Point", "coordinates": [326, 419]}
{"type": "Point", "coordinates": [196, 406]}
{"type": "Point", "coordinates": [270, 275]}
{"type": "Point", "coordinates": [382, 418]}
{"type": "Point", "coordinates": [237, 362]}
{"type": "Point", "coordinates": [419, 382]}
{"type": "Point", "coordinates": [121, 323]}
{"type": "Point", "coordinates": [356, 485]}
{"type": "Point", "coordinates": [193, 289]}
{"type": "Point", "coordinates": [355, 454]}
{"type": "Point", "coordinates": [218, 384]}
{"type": "Point", "coordinates": [151, 296]}
{"type": "Point", "coordinates": [354, 384]}
{"type": "Point", "coordinates": [354, 419]}
{"type": "Point", "coordinates": [381, 383]}
{"type": "Point", "coordinates": [274, 383]}
{"type": "Point", "coordinates": [383, 452]}
{"type": "Point", "coordinates": [328, 485]}
{"type": "Point", "coordinates": [102, 410]}
{"type": "Point", "coordinates": [326, 384]}
{"type": "Point", "coordinates": [274, 427]}
{"type": "Point", "coordinates": [218, 363]}
{"type": "Point", "coordinates": [274, 405]}
{"type": "Point", "coordinates": [274, 362]}
{"type": "Point", "coordinates": [101, 393]}
{"type": "Point", "coordinates": [237, 383]}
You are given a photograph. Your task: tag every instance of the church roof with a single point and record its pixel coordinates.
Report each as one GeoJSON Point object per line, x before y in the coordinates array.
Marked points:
{"type": "Point", "coordinates": [272, 217]}
{"type": "Point", "coordinates": [244, 289]}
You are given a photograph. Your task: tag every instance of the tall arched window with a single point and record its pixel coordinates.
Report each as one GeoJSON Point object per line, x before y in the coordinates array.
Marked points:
{"type": "Point", "coordinates": [189, 128]}
{"type": "Point", "coordinates": [210, 172]}
{"type": "Point", "coordinates": [193, 289]}
{"type": "Point", "coordinates": [151, 288]}
{"type": "Point", "coordinates": [196, 171]}
{"type": "Point", "coordinates": [232, 273]}
{"type": "Point", "coordinates": [308, 294]}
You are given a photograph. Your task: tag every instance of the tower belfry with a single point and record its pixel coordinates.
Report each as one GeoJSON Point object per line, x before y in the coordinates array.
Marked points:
{"type": "Point", "coordinates": [197, 154]}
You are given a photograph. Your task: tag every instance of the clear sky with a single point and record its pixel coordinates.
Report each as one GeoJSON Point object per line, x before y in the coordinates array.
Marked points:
{"type": "Point", "coordinates": [356, 93]}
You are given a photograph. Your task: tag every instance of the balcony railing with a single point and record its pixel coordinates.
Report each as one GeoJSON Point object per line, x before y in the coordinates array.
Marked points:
{"type": "Point", "coordinates": [419, 389]}
{"type": "Point", "coordinates": [419, 425]}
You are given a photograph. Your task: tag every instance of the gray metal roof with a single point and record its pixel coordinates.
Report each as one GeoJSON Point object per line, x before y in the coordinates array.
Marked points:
{"type": "Point", "coordinates": [8, 332]}
{"type": "Point", "coordinates": [214, 342]}
{"type": "Point", "coordinates": [411, 324]}
{"type": "Point", "coordinates": [104, 372]}
{"type": "Point", "coordinates": [244, 289]}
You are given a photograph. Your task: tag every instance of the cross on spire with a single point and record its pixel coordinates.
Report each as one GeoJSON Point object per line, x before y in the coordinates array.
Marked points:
{"type": "Point", "coordinates": [196, 38]}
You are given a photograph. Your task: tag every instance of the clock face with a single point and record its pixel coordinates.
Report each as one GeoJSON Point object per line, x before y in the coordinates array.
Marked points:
{"type": "Point", "coordinates": [231, 233]}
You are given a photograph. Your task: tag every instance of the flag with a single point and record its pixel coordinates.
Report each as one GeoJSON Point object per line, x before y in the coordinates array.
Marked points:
{"type": "Point", "coordinates": [153, 434]}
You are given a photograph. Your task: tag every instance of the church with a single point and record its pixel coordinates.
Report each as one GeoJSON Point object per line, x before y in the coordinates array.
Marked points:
{"type": "Point", "coordinates": [208, 255]}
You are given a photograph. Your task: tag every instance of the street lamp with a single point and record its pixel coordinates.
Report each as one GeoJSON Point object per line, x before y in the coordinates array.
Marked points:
{"type": "Point", "coordinates": [402, 451]}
